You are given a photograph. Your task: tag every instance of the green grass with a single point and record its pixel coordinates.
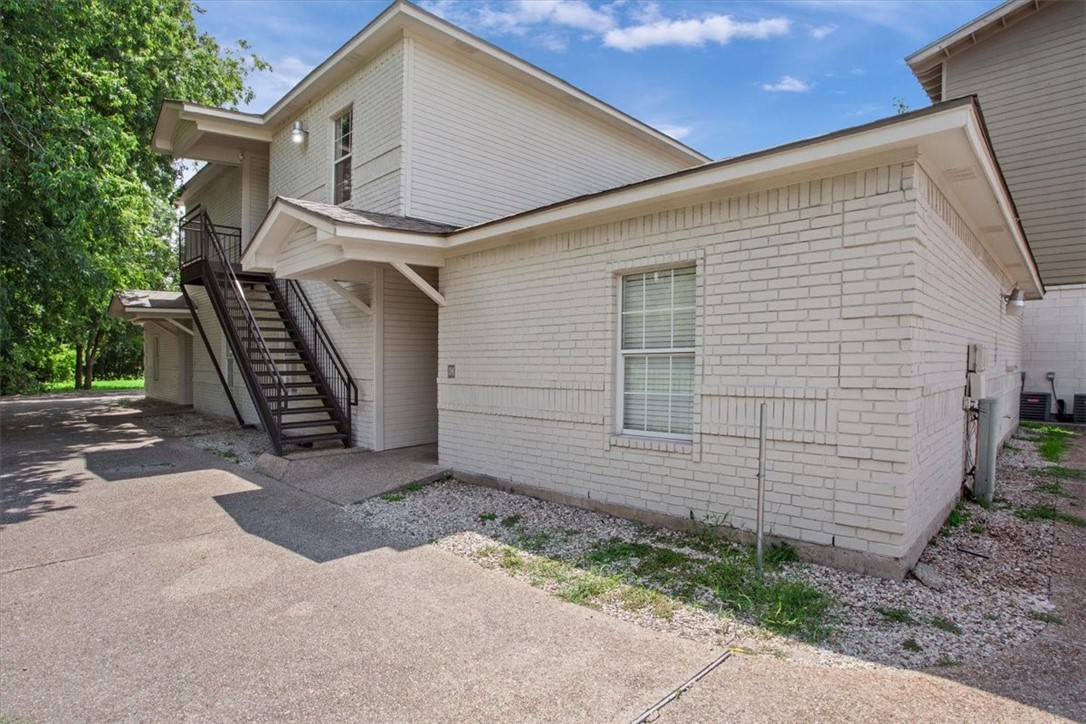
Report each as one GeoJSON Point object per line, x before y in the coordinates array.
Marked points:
{"type": "Point", "coordinates": [227, 454]}
{"type": "Point", "coordinates": [1046, 617]}
{"type": "Point", "coordinates": [947, 661]}
{"type": "Point", "coordinates": [910, 644]}
{"type": "Point", "coordinates": [897, 615]}
{"type": "Point", "coordinates": [1051, 441]}
{"type": "Point", "coordinates": [510, 521]}
{"type": "Point", "coordinates": [397, 496]}
{"type": "Point", "coordinates": [947, 625]}
{"type": "Point", "coordinates": [1052, 487]}
{"type": "Point", "coordinates": [128, 384]}
{"type": "Point", "coordinates": [959, 515]}
{"type": "Point", "coordinates": [639, 598]}
{"type": "Point", "coordinates": [487, 517]}
{"type": "Point", "coordinates": [1048, 512]}
{"type": "Point", "coordinates": [1059, 472]}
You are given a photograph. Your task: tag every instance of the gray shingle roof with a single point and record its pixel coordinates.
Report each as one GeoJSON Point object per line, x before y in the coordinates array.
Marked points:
{"type": "Point", "coordinates": [138, 298]}
{"type": "Point", "coordinates": [358, 217]}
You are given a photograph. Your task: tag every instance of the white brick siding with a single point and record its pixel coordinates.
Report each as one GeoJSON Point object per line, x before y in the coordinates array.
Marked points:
{"type": "Point", "coordinates": [1055, 331]}
{"type": "Point", "coordinates": [808, 299]}
{"type": "Point", "coordinates": [959, 302]}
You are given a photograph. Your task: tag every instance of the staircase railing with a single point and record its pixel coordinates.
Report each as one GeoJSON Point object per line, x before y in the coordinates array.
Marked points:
{"type": "Point", "coordinates": [192, 242]}
{"type": "Point", "coordinates": [325, 356]}
{"type": "Point", "coordinates": [261, 374]}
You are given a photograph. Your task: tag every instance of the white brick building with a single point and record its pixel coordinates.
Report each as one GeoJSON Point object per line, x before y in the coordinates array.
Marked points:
{"type": "Point", "coordinates": [572, 304]}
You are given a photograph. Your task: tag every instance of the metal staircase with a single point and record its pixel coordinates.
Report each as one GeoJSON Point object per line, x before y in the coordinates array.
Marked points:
{"type": "Point", "coordinates": [297, 380]}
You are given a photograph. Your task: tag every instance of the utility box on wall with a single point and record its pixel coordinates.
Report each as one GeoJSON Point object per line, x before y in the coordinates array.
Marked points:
{"type": "Point", "coordinates": [977, 360]}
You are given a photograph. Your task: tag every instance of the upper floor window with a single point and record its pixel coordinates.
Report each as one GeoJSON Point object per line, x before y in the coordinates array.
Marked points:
{"type": "Point", "coordinates": [657, 346]}
{"type": "Point", "coordinates": [341, 159]}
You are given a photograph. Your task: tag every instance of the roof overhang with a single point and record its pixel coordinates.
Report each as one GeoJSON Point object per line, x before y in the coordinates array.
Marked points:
{"type": "Point", "coordinates": [190, 130]}
{"type": "Point", "coordinates": [927, 63]}
{"type": "Point", "coordinates": [332, 243]}
{"type": "Point", "coordinates": [949, 140]}
{"type": "Point", "coordinates": [141, 307]}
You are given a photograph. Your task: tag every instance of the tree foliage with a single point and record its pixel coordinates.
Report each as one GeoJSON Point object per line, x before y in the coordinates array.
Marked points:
{"type": "Point", "coordinates": [84, 202]}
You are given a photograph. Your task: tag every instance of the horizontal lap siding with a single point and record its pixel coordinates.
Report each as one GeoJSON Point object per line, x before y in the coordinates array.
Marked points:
{"type": "Point", "coordinates": [375, 92]}
{"type": "Point", "coordinates": [410, 361]}
{"type": "Point", "coordinates": [351, 330]}
{"type": "Point", "coordinates": [207, 392]}
{"type": "Point", "coordinates": [960, 303]}
{"type": "Point", "coordinates": [167, 386]}
{"type": "Point", "coordinates": [222, 198]}
{"type": "Point", "coordinates": [804, 297]}
{"type": "Point", "coordinates": [1031, 80]}
{"type": "Point", "coordinates": [482, 147]}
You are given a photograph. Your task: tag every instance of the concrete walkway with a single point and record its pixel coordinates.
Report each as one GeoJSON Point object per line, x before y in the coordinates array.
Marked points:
{"type": "Point", "coordinates": [141, 579]}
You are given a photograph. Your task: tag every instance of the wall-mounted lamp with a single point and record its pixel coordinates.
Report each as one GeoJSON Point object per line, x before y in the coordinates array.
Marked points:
{"type": "Point", "coordinates": [298, 133]}
{"type": "Point", "coordinates": [1015, 299]}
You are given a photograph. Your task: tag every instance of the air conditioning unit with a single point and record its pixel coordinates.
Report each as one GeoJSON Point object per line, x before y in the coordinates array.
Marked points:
{"type": "Point", "coordinates": [1034, 406]}
{"type": "Point", "coordinates": [1080, 410]}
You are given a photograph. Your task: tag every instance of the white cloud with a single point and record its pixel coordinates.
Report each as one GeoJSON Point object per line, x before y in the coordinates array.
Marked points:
{"type": "Point", "coordinates": [676, 132]}
{"type": "Point", "coordinates": [788, 84]}
{"type": "Point", "coordinates": [720, 29]}
{"type": "Point", "coordinates": [822, 31]}
{"type": "Point", "coordinates": [622, 25]}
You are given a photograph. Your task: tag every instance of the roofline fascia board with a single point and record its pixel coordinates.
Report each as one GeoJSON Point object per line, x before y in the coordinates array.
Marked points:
{"type": "Point", "coordinates": [745, 168]}
{"type": "Point", "coordinates": [982, 149]}
{"type": "Point", "coordinates": [936, 50]}
{"type": "Point", "coordinates": [271, 118]}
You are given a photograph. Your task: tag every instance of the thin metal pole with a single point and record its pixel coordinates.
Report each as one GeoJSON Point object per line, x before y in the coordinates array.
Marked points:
{"type": "Point", "coordinates": [759, 525]}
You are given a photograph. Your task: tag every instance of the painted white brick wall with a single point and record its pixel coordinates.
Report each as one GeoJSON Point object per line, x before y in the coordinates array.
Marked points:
{"type": "Point", "coordinates": [1055, 341]}
{"type": "Point", "coordinates": [959, 302]}
{"type": "Point", "coordinates": [803, 292]}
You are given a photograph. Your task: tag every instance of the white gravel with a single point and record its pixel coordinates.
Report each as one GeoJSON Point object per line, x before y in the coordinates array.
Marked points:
{"type": "Point", "coordinates": [240, 445]}
{"type": "Point", "coordinates": [991, 603]}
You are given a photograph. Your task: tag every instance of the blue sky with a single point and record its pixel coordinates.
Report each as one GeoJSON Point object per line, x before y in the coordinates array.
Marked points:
{"type": "Point", "coordinates": [724, 77]}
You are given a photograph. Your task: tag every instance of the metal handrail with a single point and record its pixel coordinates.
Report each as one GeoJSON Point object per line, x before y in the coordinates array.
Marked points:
{"type": "Point", "coordinates": [329, 362]}
{"type": "Point", "coordinates": [254, 339]}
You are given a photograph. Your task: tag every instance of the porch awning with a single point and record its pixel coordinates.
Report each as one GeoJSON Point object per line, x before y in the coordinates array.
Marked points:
{"type": "Point", "coordinates": [307, 239]}
{"type": "Point", "coordinates": [166, 309]}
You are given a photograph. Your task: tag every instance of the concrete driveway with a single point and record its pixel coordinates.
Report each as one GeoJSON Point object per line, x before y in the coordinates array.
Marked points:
{"type": "Point", "coordinates": [141, 579]}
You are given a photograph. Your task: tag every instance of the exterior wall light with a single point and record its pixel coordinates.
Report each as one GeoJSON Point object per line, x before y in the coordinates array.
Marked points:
{"type": "Point", "coordinates": [1015, 299]}
{"type": "Point", "coordinates": [298, 133]}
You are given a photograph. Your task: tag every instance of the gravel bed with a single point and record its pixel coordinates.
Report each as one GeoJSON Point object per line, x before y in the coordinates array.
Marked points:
{"type": "Point", "coordinates": [995, 564]}
{"type": "Point", "coordinates": [240, 445]}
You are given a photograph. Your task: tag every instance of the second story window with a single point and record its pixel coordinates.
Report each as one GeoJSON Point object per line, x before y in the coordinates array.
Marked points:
{"type": "Point", "coordinates": [341, 159]}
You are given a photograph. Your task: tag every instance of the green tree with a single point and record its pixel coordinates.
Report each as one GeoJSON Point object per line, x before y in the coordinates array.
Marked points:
{"type": "Point", "coordinates": [84, 201]}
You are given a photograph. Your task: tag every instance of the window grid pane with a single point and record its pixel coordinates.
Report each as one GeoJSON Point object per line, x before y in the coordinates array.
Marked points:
{"type": "Point", "coordinates": [341, 152]}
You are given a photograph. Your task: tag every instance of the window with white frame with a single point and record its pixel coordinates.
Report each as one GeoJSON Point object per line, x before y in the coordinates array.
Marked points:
{"type": "Point", "coordinates": [341, 159]}
{"type": "Point", "coordinates": [657, 346]}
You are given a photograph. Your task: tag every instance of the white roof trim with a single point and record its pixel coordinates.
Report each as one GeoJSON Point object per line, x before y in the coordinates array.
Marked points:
{"type": "Point", "coordinates": [392, 23]}
{"type": "Point", "coordinates": [990, 18]}
{"type": "Point", "coordinates": [957, 123]}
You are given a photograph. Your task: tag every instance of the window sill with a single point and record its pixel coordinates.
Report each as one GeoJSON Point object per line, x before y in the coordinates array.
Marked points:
{"type": "Point", "coordinates": [681, 447]}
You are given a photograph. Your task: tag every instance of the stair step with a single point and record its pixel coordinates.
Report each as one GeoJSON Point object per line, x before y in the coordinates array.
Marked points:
{"type": "Point", "coordinates": [308, 423]}
{"type": "Point", "coordinates": [299, 398]}
{"type": "Point", "coordinates": [307, 410]}
{"type": "Point", "coordinates": [288, 385]}
{"type": "Point", "coordinates": [319, 437]}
